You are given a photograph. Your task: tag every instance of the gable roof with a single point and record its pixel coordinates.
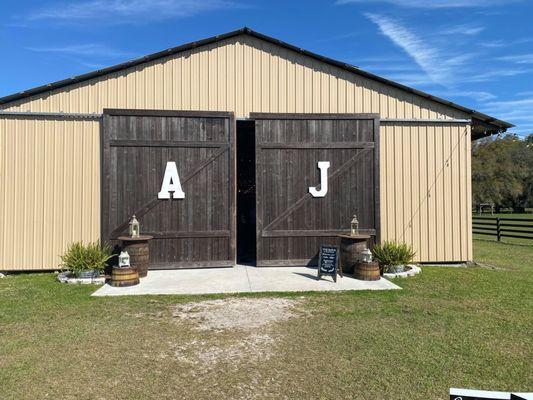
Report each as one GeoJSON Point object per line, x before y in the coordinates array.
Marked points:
{"type": "Point", "coordinates": [487, 121]}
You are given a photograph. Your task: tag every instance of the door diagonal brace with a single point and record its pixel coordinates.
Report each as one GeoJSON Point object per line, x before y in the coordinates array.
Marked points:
{"type": "Point", "coordinates": [145, 208]}
{"type": "Point", "coordinates": [307, 196]}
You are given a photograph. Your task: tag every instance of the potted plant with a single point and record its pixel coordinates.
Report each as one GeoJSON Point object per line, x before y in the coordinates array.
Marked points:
{"type": "Point", "coordinates": [393, 256]}
{"type": "Point", "coordinates": [86, 261]}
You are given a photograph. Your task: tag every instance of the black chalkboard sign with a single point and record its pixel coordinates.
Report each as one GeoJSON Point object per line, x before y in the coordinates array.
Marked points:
{"type": "Point", "coordinates": [468, 394]}
{"type": "Point", "coordinates": [328, 261]}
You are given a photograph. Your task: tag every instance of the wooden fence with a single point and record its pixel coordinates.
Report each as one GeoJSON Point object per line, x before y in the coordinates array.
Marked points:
{"type": "Point", "coordinates": [517, 228]}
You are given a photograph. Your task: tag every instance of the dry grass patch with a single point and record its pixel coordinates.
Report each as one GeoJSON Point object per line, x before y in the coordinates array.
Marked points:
{"type": "Point", "coordinates": [246, 314]}
{"type": "Point", "coordinates": [231, 329]}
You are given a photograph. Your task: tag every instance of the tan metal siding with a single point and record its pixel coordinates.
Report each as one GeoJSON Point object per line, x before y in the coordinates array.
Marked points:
{"type": "Point", "coordinates": [420, 194]}
{"type": "Point", "coordinates": [241, 74]}
{"type": "Point", "coordinates": [50, 189]}
{"type": "Point", "coordinates": [425, 189]}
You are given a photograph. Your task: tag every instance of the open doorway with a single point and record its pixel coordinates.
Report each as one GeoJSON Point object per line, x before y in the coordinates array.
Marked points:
{"type": "Point", "coordinates": [246, 238]}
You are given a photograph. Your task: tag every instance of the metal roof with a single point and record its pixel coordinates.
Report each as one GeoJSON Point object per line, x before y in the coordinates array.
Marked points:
{"type": "Point", "coordinates": [490, 123]}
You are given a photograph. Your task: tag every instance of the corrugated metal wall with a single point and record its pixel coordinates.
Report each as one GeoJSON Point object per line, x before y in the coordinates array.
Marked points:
{"type": "Point", "coordinates": [241, 74]}
{"type": "Point", "coordinates": [49, 189]}
{"type": "Point", "coordinates": [425, 189]}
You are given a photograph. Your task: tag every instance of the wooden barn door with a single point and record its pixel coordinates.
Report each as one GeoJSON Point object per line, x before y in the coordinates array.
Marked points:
{"type": "Point", "coordinates": [291, 222]}
{"type": "Point", "coordinates": [196, 231]}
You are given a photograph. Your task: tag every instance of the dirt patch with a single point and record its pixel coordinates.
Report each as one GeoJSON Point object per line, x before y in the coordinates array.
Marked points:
{"type": "Point", "coordinates": [241, 313]}
{"type": "Point", "coordinates": [236, 330]}
{"type": "Point", "coordinates": [254, 347]}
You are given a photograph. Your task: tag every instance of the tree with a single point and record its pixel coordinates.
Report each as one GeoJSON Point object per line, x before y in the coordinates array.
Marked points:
{"type": "Point", "coordinates": [502, 171]}
{"type": "Point", "coordinates": [526, 158]}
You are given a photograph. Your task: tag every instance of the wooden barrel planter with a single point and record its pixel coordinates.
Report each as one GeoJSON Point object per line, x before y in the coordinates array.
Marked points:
{"type": "Point", "coordinates": [122, 277]}
{"type": "Point", "coordinates": [139, 257]}
{"type": "Point", "coordinates": [367, 271]}
{"type": "Point", "coordinates": [351, 249]}
{"type": "Point", "coordinates": [138, 251]}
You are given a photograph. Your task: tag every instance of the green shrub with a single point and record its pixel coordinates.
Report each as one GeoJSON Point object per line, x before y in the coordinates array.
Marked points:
{"type": "Point", "coordinates": [392, 253]}
{"type": "Point", "coordinates": [80, 257]}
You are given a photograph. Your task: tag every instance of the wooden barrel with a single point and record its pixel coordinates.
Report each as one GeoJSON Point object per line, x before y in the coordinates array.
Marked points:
{"type": "Point", "coordinates": [367, 271]}
{"type": "Point", "coordinates": [139, 257]}
{"type": "Point", "coordinates": [138, 251]}
{"type": "Point", "coordinates": [351, 249]}
{"type": "Point", "coordinates": [121, 277]}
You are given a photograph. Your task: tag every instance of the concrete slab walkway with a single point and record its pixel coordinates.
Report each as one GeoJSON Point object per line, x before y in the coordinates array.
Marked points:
{"type": "Point", "coordinates": [240, 279]}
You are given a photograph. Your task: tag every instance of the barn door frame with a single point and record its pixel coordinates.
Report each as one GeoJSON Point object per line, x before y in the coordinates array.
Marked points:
{"type": "Point", "coordinates": [105, 145]}
{"type": "Point", "coordinates": [374, 147]}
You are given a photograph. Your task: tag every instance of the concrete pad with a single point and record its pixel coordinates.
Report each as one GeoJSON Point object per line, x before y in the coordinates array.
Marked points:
{"type": "Point", "coordinates": [297, 279]}
{"type": "Point", "coordinates": [240, 279]}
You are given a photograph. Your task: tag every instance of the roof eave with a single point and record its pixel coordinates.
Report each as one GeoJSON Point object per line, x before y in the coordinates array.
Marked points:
{"type": "Point", "coordinates": [245, 30]}
{"type": "Point", "coordinates": [488, 127]}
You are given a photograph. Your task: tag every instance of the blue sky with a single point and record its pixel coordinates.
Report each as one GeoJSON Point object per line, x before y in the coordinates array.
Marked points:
{"type": "Point", "coordinates": [478, 53]}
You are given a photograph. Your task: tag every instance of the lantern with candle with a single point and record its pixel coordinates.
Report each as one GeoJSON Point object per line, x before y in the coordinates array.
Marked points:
{"type": "Point", "coordinates": [134, 227]}
{"type": "Point", "coordinates": [354, 226]}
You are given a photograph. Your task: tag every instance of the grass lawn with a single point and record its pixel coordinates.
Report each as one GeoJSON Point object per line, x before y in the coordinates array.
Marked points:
{"type": "Point", "coordinates": [505, 215]}
{"type": "Point", "coordinates": [449, 327]}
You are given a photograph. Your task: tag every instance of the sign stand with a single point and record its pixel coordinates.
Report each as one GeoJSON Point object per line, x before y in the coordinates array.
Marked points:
{"type": "Point", "coordinates": [328, 262]}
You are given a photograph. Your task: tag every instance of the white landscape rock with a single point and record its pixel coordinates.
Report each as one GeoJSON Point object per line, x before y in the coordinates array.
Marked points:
{"type": "Point", "coordinates": [66, 277]}
{"type": "Point", "coordinates": [2, 275]}
{"type": "Point", "coordinates": [412, 271]}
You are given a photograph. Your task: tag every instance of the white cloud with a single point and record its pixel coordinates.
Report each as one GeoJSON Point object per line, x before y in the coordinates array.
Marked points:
{"type": "Point", "coordinates": [91, 56]}
{"type": "Point", "coordinates": [439, 65]}
{"type": "Point", "coordinates": [507, 104]}
{"type": "Point", "coordinates": [126, 11]}
{"type": "Point", "coordinates": [450, 72]}
{"type": "Point", "coordinates": [342, 36]}
{"type": "Point", "coordinates": [87, 50]}
{"type": "Point", "coordinates": [390, 67]}
{"type": "Point", "coordinates": [89, 65]}
{"type": "Point", "coordinates": [381, 58]}
{"type": "Point", "coordinates": [518, 58]}
{"type": "Point", "coordinates": [478, 95]}
{"type": "Point", "coordinates": [469, 30]}
{"type": "Point", "coordinates": [494, 74]}
{"type": "Point", "coordinates": [406, 73]}
{"type": "Point", "coordinates": [516, 111]}
{"type": "Point", "coordinates": [526, 93]}
{"type": "Point", "coordinates": [433, 4]}
{"type": "Point", "coordinates": [411, 79]}
{"type": "Point", "coordinates": [494, 44]}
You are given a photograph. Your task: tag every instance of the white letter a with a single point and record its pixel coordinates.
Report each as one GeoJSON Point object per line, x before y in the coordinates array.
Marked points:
{"type": "Point", "coordinates": [171, 183]}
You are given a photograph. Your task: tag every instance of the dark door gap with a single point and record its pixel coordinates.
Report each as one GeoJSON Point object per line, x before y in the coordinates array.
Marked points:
{"type": "Point", "coordinates": [246, 223]}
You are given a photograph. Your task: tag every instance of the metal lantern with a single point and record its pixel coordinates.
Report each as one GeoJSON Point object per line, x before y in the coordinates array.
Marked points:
{"type": "Point", "coordinates": [366, 256]}
{"type": "Point", "coordinates": [124, 259]}
{"type": "Point", "coordinates": [354, 226]}
{"type": "Point", "coordinates": [134, 227]}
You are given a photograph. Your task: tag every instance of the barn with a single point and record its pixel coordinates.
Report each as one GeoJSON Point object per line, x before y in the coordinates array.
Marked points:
{"type": "Point", "coordinates": [275, 149]}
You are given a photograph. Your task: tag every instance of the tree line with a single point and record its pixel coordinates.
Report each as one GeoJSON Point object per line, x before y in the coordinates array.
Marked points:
{"type": "Point", "coordinates": [502, 172]}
